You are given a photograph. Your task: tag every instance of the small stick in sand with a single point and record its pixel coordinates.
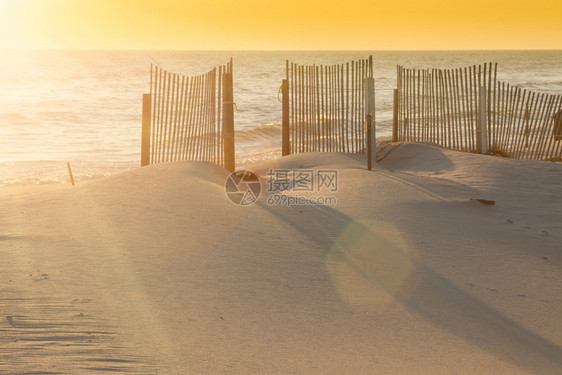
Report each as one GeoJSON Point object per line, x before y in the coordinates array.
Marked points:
{"type": "Point", "coordinates": [70, 173]}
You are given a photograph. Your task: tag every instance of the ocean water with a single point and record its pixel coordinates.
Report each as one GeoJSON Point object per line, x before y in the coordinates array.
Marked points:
{"type": "Point", "coordinates": [84, 107]}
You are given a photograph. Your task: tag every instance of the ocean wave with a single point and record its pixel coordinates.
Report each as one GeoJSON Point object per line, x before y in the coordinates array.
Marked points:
{"type": "Point", "coordinates": [243, 159]}
{"type": "Point", "coordinates": [527, 84]}
{"type": "Point", "coordinates": [541, 86]}
{"type": "Point", "coordinates": [44, 172]}
{"type": "Point", "coordinates": [260, 132]}
{"type": "Point", "coordinates": [262, 75]}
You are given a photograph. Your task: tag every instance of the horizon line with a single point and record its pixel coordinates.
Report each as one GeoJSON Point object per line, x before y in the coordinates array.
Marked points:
{"type": "Point", "coordinates": [281, 50]}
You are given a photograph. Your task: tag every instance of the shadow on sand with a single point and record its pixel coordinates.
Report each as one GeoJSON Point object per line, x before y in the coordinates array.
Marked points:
{"type": "Point", "coordinates": [429, 296]}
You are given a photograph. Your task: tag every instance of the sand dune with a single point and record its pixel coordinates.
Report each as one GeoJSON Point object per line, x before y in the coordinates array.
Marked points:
{"type": "Point", "coordinates": [155, 271]}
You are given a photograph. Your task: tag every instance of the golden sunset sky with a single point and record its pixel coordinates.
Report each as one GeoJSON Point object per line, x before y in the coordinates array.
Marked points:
{"type": "Point", "coordinates": [281, 24]}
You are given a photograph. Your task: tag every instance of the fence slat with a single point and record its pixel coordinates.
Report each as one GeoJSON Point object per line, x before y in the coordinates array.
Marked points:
{"type": "Point", "coordinates": [145, 136]}
{"type": "Point", "coordinates": [285, 146]}
{"type": "Point", "coordinates": [155, 112]}
{"type": "Point", "coordinates": [175, 113]}
{"type": "Point", "coordinates": [228, 124]}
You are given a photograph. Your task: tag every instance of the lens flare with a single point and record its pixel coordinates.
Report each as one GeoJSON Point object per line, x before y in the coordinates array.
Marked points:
{"type": "Point", "coordinates": [373, 264]}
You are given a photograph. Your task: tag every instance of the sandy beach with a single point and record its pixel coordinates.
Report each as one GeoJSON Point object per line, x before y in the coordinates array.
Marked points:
{"type": "Point", "coordinates": [413, 271]}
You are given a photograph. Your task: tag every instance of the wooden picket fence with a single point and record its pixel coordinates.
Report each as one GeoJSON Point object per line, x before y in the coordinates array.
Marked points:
{"type": "Point", "coordinates": [526, 124]}
{"type": "Point", "coordinates": [324, 107]}
{"type": "Point", "coordinates": [189, 117]}
{"type": "Point", "coordinates": [469, 109]}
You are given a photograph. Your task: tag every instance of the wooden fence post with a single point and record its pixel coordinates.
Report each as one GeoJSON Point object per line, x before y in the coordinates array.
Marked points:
{"type": "Point", "coordinates": [145, 138]}
{"type": "Point", "coordinates": [228, 122]}
{"type": "Point", "coordinates": [286, 146]}
{"type": "Point", "coordinates": [370, 113]}
{"type": "Point", "coordinates": [482, 129]}
{"type": "Point", "coordinates": [395, 117]}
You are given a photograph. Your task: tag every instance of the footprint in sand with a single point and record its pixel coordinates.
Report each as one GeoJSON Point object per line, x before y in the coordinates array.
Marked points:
{"type": "Point", "coordinates": [42, 276]}
{"type": "Point", "coordinates": [11, 321]}
{"type": "Point", "coordinates": [77, 300]}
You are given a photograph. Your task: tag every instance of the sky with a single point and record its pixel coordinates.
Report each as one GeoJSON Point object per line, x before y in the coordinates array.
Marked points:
{"type": "Point", "coordinates": [281, 24]}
